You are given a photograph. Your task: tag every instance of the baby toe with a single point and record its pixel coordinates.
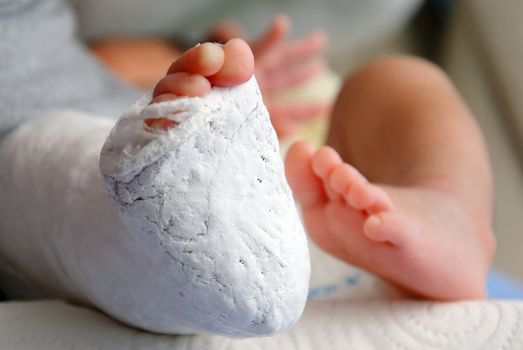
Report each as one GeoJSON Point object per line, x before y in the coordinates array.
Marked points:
{"type": "Point", "coordinates": [205, 59]}
{"type": "Point", "coordinates": [324, 162]}
{"type": "Point", "coordinates": [238, 65]}
{"type": "Point", "coordinates": [182, 84]}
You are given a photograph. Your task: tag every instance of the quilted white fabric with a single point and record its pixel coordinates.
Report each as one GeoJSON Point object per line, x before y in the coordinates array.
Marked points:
{"type": "Point", "coordinates": [334, 325]}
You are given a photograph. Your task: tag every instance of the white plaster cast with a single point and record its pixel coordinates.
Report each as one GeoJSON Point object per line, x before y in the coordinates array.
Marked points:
{"type": "Point", "coordinates": [209, 198]}
{"type": "Point", "coordinates": [201, 234]}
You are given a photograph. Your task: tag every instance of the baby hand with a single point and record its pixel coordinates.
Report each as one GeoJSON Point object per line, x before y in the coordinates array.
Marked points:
{"type": "Point", "coordinates": [283, 64]}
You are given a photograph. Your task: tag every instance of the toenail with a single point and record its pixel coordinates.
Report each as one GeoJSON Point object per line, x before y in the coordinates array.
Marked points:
{"type": "Point", "coordinates": [374, 220]}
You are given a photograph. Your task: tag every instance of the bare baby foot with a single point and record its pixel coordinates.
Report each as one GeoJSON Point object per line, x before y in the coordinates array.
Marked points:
{"type": "Point", "coordinates": [421, 238]}
{"type": "Point", "coordinates": [195, 172]}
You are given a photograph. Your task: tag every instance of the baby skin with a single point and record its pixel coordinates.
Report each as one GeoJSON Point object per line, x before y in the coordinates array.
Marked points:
{"type": "Point", "coordinates": [404, 187]}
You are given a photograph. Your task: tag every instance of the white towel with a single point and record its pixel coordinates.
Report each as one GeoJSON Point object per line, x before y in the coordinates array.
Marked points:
{"type": "Point", "coordinates": [329, 325]}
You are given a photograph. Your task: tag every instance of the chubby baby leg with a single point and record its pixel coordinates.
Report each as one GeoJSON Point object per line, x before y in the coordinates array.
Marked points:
{"type": "Point", "coordinates": [199, 232]}
{"type": "Point", "coordinates": [406, 191]}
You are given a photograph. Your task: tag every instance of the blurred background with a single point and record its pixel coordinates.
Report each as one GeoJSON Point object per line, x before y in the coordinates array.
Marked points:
{"type": "Point", "coordinates": [477, 42]}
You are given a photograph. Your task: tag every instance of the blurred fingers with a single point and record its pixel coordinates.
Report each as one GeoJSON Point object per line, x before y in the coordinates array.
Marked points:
{"type": "Point", "coordinates": [296, 51]}
{"type": "Point", "coordinates": [273, 36]}
{"type": "Point", "coordinates": [287, 77]}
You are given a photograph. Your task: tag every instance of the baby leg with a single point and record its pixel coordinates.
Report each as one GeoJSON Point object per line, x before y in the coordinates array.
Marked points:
{"type": "Point", "coordinates": [202, 234]}
{"type": "Point", "coordinates": [415, 204]}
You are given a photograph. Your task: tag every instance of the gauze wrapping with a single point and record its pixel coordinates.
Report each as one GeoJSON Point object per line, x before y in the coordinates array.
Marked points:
{"type": "Point", "coordinates": [201, 234]}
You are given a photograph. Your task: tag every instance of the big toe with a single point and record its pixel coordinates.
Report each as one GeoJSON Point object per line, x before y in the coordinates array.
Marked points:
{"type": "Point", "coordinates": [392, 227]}
{"type": "Point", "coordinates": [238, 64]}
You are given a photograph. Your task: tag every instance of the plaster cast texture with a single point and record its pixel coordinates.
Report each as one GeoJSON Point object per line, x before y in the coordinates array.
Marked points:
{"type": "Point", "coordinates": [208, 200]}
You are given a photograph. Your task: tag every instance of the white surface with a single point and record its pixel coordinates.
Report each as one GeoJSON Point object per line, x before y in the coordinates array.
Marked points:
{"type": "Point", "coordinates": [332, 325]}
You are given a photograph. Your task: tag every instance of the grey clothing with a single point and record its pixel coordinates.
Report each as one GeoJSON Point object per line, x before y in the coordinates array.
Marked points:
{"type": "Point", "coordinates": [44, 67]}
